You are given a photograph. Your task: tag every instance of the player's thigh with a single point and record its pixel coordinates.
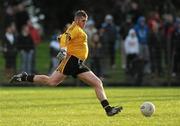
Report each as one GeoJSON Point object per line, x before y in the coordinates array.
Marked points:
{"type": "Point", "coordinates": [89, 78]}
{"type": "Point", "coordinates": [56, 77]}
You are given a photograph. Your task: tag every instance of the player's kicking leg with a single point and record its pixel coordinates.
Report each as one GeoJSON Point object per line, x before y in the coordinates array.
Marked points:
{"type": "Point", "coordinates": [52, 80]}
{"type": "Point", "coordinates": [91, 79]}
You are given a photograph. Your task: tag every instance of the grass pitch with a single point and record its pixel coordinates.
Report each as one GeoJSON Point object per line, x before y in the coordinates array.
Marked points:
{"type": "Point", "coordinates": [79, 107]}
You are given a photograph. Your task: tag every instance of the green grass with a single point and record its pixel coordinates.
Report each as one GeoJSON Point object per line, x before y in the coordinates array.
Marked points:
{"type": "Point", "coordinates": [79, 107]}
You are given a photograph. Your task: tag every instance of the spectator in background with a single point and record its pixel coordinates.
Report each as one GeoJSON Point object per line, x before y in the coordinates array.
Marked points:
{"type": "Point", "coordinates": [35, 33]}
{"type": "Point", "coordinates": [135, 12]}
{"type": "Point", "coordinates": [176, 49]}
{"type": "Point", "coordinates": [26, 48]}
{"type": "Point", "coordinates": [142, 32]}
{"type": "Point", "coordinates": [105, 54]}
{"type": "Point", "coordinates": [54, 49]}
{"type": "Point", "coordinates": [9, 42]}
{"type": "Point", "coordinates": [90, 30]}
{"type": "Point", "coordinates": [168, 28]}
{"type": "Point", "coordinates": [110, 36]}
{"type": "Point", "coordinates": [9, 13]}
{"type": "Point", "coordinates": [154, 16]}
{"type": "Point", "coordinates": [36, 37]}
{"type": "Point", "coordinates": [155, 47]}
{"type": "Point", "coordinates": [21, 16]}
{"type": "Point", "coordinates": [126, 26]}
{"type": "Point", "coordinates": [96, 55]}
{"type": "Point", "coordinates": [131, 51]}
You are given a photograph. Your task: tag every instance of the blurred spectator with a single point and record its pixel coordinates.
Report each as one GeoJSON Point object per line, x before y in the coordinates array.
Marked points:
{"type": "Point", "coordinates": [26, 47]}
{"type": "Point", "coordinates": [142, 32]}
{"type": "Point", "coordinates": [22, 16]}
{"type": "Point", "coordinates": [135, 12]}
{"type": "Point", "coordinates": [54, 49]}
{"type": "Point", "coordinates": [90, 30]}
{"type": "Point", "coordinates": [96, 55]}
{"type": "Point", "coordinates": [168, 28]}
{"type": "Point", "coordinates": [105, 53]}
{"type": "Point", "coordinates": [9, 14]}
{"type": "Point", "coordinates": [36, 37]}
{"type": "Point", "coordinates": [132, 51]}
{"type": "Point", "coordinates": [155, 46]}
{"type": "Point", "coordinates": [126, 26]}
{"type": "Point", "coordinates": [154, 16]}
{"type": "Point", "coordinates": [9, 42]}
{"type": "Point", "coordinates": [119, 10]}
{"type": "Point", "coordinates": [35, 33]}
{"type": "Point", "coordinates": [176, 48]}
{"type": "Point", "coordinates": [110, 36]}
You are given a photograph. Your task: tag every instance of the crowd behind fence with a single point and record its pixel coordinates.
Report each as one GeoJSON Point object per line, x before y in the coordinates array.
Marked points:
{"type": "Point", "coordinates": [144, 49]}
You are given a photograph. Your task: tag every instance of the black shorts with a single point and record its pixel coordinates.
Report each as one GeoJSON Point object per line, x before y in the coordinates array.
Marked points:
{"type": "Point", "coordinates": [73, 66]}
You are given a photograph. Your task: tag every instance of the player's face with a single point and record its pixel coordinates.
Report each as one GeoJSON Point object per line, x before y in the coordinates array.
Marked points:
{"type": "Point", "coordinates": [82, 22]}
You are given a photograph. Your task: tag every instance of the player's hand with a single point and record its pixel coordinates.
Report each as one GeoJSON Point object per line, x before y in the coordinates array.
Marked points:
{"type": "Point", "coordinates": [61, 55]}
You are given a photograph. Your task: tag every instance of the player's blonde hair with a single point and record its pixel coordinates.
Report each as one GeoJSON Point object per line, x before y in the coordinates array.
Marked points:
{"type": "Point", "coordinates": [80, 13]}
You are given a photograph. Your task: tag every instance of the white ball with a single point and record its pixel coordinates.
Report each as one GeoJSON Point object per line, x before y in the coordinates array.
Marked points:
{"type": "Point", "coordinates": [147, 109]}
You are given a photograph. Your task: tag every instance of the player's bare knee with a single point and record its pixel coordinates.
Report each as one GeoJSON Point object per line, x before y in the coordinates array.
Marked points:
{"type": "Point", "coordinates": [99, 83]}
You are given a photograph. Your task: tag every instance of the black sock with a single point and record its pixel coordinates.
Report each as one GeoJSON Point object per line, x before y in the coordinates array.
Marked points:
{"type": "Point", "coordinates": [24, 77]}
{"type": "Point", "coordinates": [106, 105]}
{"type": "Point", "coordinates": [30, 78]}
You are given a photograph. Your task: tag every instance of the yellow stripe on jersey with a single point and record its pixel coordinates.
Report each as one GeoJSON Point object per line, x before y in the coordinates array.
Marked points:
{"type": "Point", "coordinates": [63, 64]}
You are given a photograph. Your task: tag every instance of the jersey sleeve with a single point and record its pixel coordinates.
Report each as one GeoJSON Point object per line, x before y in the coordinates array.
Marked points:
{"type": "Point", "coordinates": [63, 40]}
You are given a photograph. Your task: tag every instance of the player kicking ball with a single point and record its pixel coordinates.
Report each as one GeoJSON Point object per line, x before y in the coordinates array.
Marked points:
{"type": "Point", "coordinates": [73, 53]}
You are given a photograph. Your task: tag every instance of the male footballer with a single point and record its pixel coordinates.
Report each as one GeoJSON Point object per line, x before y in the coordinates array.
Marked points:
{"type": "Point", "coordinates": [73, 53]}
